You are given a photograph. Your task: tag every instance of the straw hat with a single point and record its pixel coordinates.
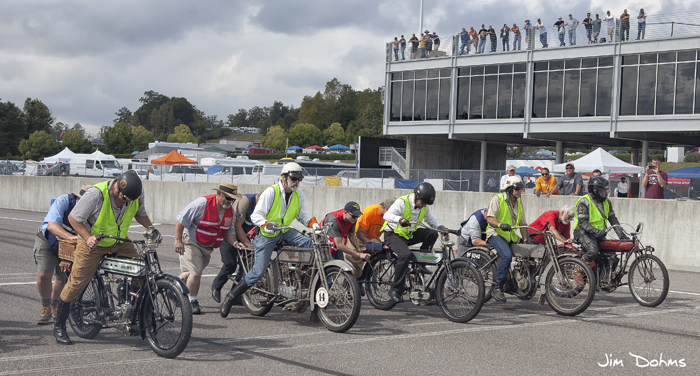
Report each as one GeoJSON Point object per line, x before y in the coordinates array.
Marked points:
{"type": "Point", "coordinates": [229, 190]}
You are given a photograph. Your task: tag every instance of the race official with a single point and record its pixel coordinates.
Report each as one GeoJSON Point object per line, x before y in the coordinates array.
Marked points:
{"type": "Point", "coordinates": [108, 208]}
{"type": "Point", "coordinates": [473, 231]}
{"type": "Point", "coordinates": [278, 205]}
{"type": "Point", "coordinates": [559, 225]}
{"type": "Point", "coordinates": [208, 220]}
{"type": "Point", "coordinates": [399, 234]}
{"type": "Point", "coordinates": [56, 225]}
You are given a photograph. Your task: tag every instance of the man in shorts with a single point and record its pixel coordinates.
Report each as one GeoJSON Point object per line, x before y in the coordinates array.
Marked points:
{"type": "Point", "coordinates": [56, 225]}
{"type": "Point", "coordinates": [208, 220]}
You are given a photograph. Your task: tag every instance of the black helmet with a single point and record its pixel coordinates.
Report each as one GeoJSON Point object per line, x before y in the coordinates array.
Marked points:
{"type": "Point", "coordinates": [425, 192]}
{"type": "Point", "coordinates": [597, 183]}
{"type": "Point", "coordinates": [129, 184]}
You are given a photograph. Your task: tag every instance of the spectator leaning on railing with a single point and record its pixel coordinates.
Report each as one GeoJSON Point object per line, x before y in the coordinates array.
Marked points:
{"type": "Point", "coordinates": [543, 33]}
{"type": "Point", "coordinates": [428, 43]}
{"type": "Point", "coordinates": [588, 24]}
{"type": "Point", "coordinates": [474, 40]}
{"type": "Point", "coordinates": [572, 24]}
{"type": "Point", "coordinates": [528, 28]}
{"type": "Point", "coordinates": [414, 46]}
{"type": "Point", "coordinates": [641, 24]}
{"type": "Point", "coordinates": [597, 23]}
{"type": "Point", "coordinates": [395, 46]}
{"type": "Point", "coordinates": [436, 43]}
{"type": "Point", "coordinates": [464, 38]}
{"type": "Point", "coordinates": [483, 33]}
{"type": "Point", "coordinates": [624, 26]}
{"type": "Point", "coordinates": [561, 29]}
{"type": "Point", "coordinates": [492, 36]}
{"type": "Point", "coordinates": [516, 36]}
{"type": "Point", "coordinates": [422, 46]}
{"type": "Point", "coordinates": [610, 21]}
{"type": "Point", "coordinates": [505, 33]}
{"type": "Point", "coordinates": [402, 42]}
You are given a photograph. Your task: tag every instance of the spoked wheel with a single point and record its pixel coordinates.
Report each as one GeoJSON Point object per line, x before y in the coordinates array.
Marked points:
{"type": "Point", "coordinates": [344, 302]}
{"type": "Point", "coordinates": [460, 294]}
{"type": "Point", "coordinates": [167, 319]}
{"type": "Point", "coordinates": [83, 311]}
{"type": "Point", "coordinates": [257, 299]}
{"type": "Point", "coordinates": [482, 259]}
{"type": "Point", "coordinates": [570, 292]}
{"type": "Point", "coordinates": [648, 280]}
{"type": "Point", "coordinates": [381, 278]}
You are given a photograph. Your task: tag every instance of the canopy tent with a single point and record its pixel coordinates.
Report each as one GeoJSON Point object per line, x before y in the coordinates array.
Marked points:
{"type": "Point", "coordinates": [64, 156]}
{"type": "Point", "coordinates": [173, 158]}
{"type": "Point", "coordinates": [314, 147]}
{"type": "Point", "coordinates": [294, 148]}
{"type": "Point", "coordinates": [601, 160]}
{"type": "Point", "coordinates": [135, 152]}
{"type": "Point", "coordinates": [685, 173]}
{"type": "Point", "coordinates": [214, 169]}
{"type": "Point", "coordinates": [339, 147]}
{"type": "Point", "coordinates": [527, 171]}
{"type": "Point", "coordinates": [100, 155]}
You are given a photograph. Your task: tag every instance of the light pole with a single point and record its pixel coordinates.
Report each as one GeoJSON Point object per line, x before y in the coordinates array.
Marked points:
{"type": "Point", "coordinates": [285, 149]}
{"type": "Point", "coordinates": [420, 25]}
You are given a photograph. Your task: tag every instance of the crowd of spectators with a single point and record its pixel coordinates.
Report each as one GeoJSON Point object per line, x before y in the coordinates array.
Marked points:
{"type": "Point", "coordinates": [430, 43]}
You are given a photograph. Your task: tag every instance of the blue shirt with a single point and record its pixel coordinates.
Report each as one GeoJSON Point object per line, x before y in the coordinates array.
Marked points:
{"type": "Point", "coordinates": [55, 214]}
{"type": "Point", "coordinates": [464, 36]}
{"type": "Point", "coordinates": [527, 30]}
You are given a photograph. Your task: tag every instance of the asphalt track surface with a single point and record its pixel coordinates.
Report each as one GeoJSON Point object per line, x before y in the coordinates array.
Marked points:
{"type": "Point", "coordinates": [518, 337]}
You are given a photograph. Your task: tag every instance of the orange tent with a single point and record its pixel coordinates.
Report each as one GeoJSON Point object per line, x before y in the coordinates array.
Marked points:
{"type": "Point", "coordinates": [173, 158]}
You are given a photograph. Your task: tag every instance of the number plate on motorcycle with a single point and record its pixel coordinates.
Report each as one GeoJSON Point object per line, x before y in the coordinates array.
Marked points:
{"type": "Point", "coordinates": [322, 297]}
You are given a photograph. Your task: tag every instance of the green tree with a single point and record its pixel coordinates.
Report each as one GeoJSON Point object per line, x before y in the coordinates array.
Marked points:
{"type": "Point", "coordinates": [182, 134]}
{"type": "Point", "coordinates": [369, 113]}
{"type": "Point", "coordinates": [39, 145]}
{"type": "Point", "coordinates": [343, 110]}
{"type": "Point", "coordinates": [150, 101]}
{"type": "Point", "coordinates": [238, 120]}
{"type": "Point", "coordinates": [123, 116]}
{"type": "Point", "coordinates": [11, 128]}
{"type": "Point", "coordinates": [79, 127]}
{"type": "Point", "coordinates": [162, 120]}
{"type": "Point", "coordinates": [304, 134]}
{"type": "Point", "coordinates": [314, 110]}
{"type": "Point", "coordinates": [276, 138]}
{"type": "Point", "coordinates": [37, 117]}
{"type": "Point", "coordinates": [140, 138]}
{"type": "Point", "coordinates": [76, 142]}
{"type": "Point", "coordinates": [334, 134]}
{"type": "Point", "coordinates": [117, 139]}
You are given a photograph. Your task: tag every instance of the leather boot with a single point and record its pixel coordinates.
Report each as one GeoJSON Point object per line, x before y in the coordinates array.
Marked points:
{"type": "Point", "coordinates": [498, 293]}
{"type": "Point", "coordinates": [231, 297]}
{"type": "Point", "coordinates": [59, 328]}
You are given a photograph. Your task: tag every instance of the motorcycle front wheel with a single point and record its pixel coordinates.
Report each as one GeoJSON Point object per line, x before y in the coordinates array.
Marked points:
{"type": "Point", "coordinates": [648, 280]}
{"type": "Point", "coordinates": [482, 259]}
{"type": "Point", "coordinates": [167, 319]}
{"type": "Point", "coordinates": [84, 310]}
{"type": "Point", "coordinates": [460, 294]}
{"type": "Point", "coordinates": [570, 292]}
{"type": "Point", "coordinates": [344, 301]}
{"type": "Point", "coordinates": [381, 278]}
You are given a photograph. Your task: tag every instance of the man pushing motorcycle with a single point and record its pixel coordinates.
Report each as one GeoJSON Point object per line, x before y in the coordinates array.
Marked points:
{"type": "Point", "coordinates": [278, 205]}
{"type": "Point", "coordinates": [505, 210]}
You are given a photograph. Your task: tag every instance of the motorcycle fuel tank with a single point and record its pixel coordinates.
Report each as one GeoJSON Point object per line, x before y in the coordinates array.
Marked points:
{"type": "Point", "coordinates": [123, 266]}
{"type": "Point", "coordinates": [427, 258]}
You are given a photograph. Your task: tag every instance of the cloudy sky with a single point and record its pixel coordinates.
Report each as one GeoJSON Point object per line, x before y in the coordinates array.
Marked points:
{"type": "Point", "coordinates": [86, 59]}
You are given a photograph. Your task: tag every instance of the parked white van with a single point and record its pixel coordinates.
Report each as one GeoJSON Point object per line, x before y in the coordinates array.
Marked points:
{"type": "Point", "coordinates": [99, 165]}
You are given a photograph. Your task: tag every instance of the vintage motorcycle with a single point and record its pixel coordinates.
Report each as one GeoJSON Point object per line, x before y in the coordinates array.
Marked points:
{"type": "Point", "coordinates": [454, 284]}
{"type": "Point", "coordinates": [301, 278]}
{"type": "Point", "coordinates": [134, 296]}
{"type": "Point", "coordinates": [648, 278]}
{"type": "Point", "coordinates": [567, 283]}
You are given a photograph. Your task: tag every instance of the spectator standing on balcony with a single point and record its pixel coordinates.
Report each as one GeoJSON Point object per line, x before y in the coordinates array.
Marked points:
{"type": "Point", "coordinates": [414, 46]}
{"type": "Point", "coordinates": [543, 33]}
{"type": "Point", "coordinates": [588, 24]}
{"type": "Point", "coordinates": [395, 46]}
{"type": "Point", "coordinates": [641, 25]}
{"type": "Point", "coordinates": [483, 33]}
{"type": "Point", "coordinates": [474, 40]}
{"type": "Point", "coordinates": [402, 42]}
{"type": "Point", "coordinates": [494, 39]}
{"type": "Point", "coordinates": [622, 188]}
{"type": "Point", "coordinates": [505, 36]}
{"type": "Point", "coordinates": [624, 26]}
{"type": "Point", "coordinates": [560, 31]}
{"type": "Point", "coordinates": [546, 184]}
{"type": "Point", "coordinates": [428, 43]}
{"type": "Point", "coordinates": [436, 42]}
{"type": "Point", "coordinates": [516, 36]}
{"type": "Point", "coordinates": [464, 39]}
{"type": "Point", "coordinates": [571, 184]}
{"type": "Point", "coordinates": [597, 23]}
{"type": "Point", "coordinates": [510, 171]}
{"type": "Point", "coordinates": [572, 24]}
{"type": "Point", "coordinates": [654, 180]}
{"type": "Point", "coordinates": [610, 20]}
{"type": "Point", "coordinates": [422, 46]}
{"type": "Point", "coordinates": [527, 27]}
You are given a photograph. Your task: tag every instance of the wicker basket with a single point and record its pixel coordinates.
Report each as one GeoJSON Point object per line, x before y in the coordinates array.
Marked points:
{"type": "Point", "coordinates": [66, 248]}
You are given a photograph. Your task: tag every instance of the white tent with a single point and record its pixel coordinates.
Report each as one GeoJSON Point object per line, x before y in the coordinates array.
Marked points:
{"type": "Point", "coordinates": [100, 155]}
{"type": "Point", "coordinates": [601, 160]}
{"type": "Point", "coordinates": [64, 156]}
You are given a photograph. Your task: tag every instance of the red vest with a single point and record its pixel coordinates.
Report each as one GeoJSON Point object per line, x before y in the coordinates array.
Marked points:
{"type": "Point", "coordinates": [211, 232]}
{"type": "Point", "coordinates": [344, 229]}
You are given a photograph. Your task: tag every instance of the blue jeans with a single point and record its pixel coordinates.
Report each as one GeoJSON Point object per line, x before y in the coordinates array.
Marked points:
{"type": "Point", "coordinates": [403, 57]}
{"type": "Point", "coordinates": [589, 33]}
{"type": "Point", "coordinates": [517, 41]}
{"type": "Point", "coordinates": [494, 44]}
{"type": "Point", "coordinates": [641, 28]}
{"type": "Point", "coordinates": [465, 44]}
{"type": "Point", "coordinates": [543, 40]}
{"type": "Point", "coordinates": [263, 250]}
{"type": "Point", "coordinates": [503, 249]}
{"type": "Point", "coordinates": [482, 44]}
{"type": "Point", "coordinates": [422, 53]}
{"type": "Point", "coordinates": [561, 40]}
{"type": "Point", "coordinates": [396, 54]}
{"type": "Point", "coordinates": [506, 46]}
{"type": "Point", "coordinates": [572, 37]}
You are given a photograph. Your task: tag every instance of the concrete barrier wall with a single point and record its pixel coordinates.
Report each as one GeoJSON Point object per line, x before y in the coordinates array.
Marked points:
{"type": "Point", "coordinates": [667, 224]}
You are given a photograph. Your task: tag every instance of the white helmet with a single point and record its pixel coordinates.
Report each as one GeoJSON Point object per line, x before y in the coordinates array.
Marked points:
{"type": "Point", "coordinates": [514, 181]}
{"type": "Point", "coordinates": [293, 170]}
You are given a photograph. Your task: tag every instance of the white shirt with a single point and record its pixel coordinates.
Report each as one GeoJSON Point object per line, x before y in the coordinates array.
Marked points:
{"type": "Point", "coordinates": [504, 177]}
{"type": "Point", "coordinates": [472, 229]}
{"type": "Point", "coordinates": [572, 23]}
{"type": "Point", "coordinates": [542, 30]}
{"type": "Point", "coordinates": [642, 17]}
{"type": "Point", "coordinates": [264, 204]}
{"type": "Point", "coordinates": [622, 187]}
{"type": "Point", "coordinates": [610, 20]}
{"type": "Point", "coordinates": [395, 213]}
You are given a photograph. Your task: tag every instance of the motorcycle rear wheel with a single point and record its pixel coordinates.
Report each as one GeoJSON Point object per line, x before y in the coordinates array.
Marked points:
{"type": "Point", "coordinates": [482, 259]}
{"type": "Point", "coordinates": [381, 278]}
{"type": "Point", "coordinates": [258, 303]}
{"type": "Point", "coordinates": [85, 307]}
{"type": "Point", "coordinates": [461, 295]}
{"type": "Point", "coordinates": [167, 320]}
{"type": "Point", "coordinates": [648, 280]}
{"type": "Point", "coordinates": [344, 301]}
{"type": "Point", "coordinates": [564, 294]}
